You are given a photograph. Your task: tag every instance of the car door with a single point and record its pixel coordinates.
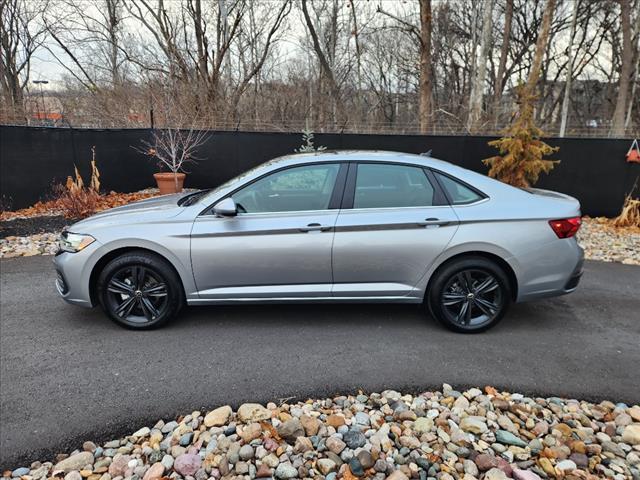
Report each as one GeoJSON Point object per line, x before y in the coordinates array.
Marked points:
{"type": "Point", "coordinates": [279, 243]}
{"type": "Point", "coordinates": [393, 224]}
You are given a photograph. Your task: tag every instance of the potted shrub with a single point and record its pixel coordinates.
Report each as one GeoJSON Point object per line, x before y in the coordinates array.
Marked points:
{"type": "Point", "coordinates": [173, 148]}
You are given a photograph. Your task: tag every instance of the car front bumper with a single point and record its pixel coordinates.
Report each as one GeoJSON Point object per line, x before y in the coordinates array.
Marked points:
{"type": "Point", "coordinates": [73, 274]}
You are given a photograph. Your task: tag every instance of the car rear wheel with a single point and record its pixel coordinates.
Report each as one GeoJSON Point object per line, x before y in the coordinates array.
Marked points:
{"type": "Point", "coordinates": [469, 295]}
{"type": "Point", "coordinates": [140, 290]}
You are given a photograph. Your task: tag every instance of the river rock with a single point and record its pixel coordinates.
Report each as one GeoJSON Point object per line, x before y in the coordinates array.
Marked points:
{"type": "Point", "coordinates": [631, 434]}
{"type": "Point", "coordinates": [155, 472]}
{"type": "Point", "coordinates": [290, 430]}
{"type": "Point", "coordinates": [75, 462]}
{"type": "Point", "coordinates": [474, 424]}
{"type": "Point", "coordinates": [286, 471]}
{"type": "Point", "coordinates": [326, 466]}
{"type": "Point", "coordinates": [508, 438]}
{"type": "Point", "coordinates": [187, 464]}
{"type": "Point", "coordinates": [253, 412]}
{"type": "Point", "coordinates": [218, 417]}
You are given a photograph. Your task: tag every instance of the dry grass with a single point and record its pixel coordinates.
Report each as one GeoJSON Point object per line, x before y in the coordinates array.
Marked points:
{"type": "Point", "coordinates": [610, 224]}
{"type": "Point", "coordinates": [76, 203]}
{"type": "Point", "coordinates": [74, 199]}
{"type": "Point", "coordinates": [630, 214]}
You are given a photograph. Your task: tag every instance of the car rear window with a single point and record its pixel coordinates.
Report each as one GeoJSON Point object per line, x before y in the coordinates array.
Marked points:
{"type": "Point", "coordinates": [458, 193]}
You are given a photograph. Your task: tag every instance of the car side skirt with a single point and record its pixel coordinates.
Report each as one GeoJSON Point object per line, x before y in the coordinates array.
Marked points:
{"type": "Point", "coordinates": [277, 300]}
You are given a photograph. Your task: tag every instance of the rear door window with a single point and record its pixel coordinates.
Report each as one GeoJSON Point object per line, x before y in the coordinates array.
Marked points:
{"type": "Point", "coordinates": [381, 185]}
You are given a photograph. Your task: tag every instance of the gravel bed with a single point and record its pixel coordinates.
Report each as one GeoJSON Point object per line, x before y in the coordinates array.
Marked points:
{"type": "Point", "coordinates": [603, 242]}
{"type": "Point", "coordinates": [600, 240]}
{"type": "Point", "coordinates": [441, 435]}
{"type": "Point", "coordinates": [38, 244]}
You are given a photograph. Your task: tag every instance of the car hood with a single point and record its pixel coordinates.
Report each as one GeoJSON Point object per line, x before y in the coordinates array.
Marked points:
{"type": "Point", "coordinates": [149, 210]}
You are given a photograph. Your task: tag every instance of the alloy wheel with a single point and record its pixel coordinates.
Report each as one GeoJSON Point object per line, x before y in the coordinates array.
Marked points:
{"type": "Point", "coordinates": [472, 298]}
{"type": "Point", "coordinates": [137, 294]}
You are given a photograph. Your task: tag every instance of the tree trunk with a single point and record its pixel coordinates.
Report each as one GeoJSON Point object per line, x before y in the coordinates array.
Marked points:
{"type": "Point", "coordinates": [477, 88]}
{"type": "Point", "coordinates": [634, 84]}
{"type": "Point", "coordinates": [502, 65]}
{"type": "Point", "coordinates": [113, 25]}
{"type": "Point", "coordinates": [201, 44]}
{"type": "Point", "coordinates": [356, 38]}
{"type": "Point", "coordinates": [324, 63]}
{"type": "Point", "coordinates": [569, 78]}
{"type": "Point", "coordinates": [541, 45]}
{"type": "Point", "coordinates": [617, 125]}
{"type": "Point", "coordinates": [425, 66]}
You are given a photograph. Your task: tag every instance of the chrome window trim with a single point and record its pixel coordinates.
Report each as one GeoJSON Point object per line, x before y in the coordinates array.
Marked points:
{"type": "Point", "coordinates": [393, 208]}
{"type": "Point", "coordinates": [482, 200]}
{"type": "Point", "coordinates": [280, 214]}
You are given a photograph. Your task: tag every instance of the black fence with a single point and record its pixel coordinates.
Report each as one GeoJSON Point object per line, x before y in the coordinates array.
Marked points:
{"type": "Point", "coordinates": [33, 159]}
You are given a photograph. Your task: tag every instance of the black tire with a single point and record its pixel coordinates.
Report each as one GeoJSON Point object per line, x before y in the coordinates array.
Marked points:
{"type": "Point", "coordinates": [474, 281]}
{"type": "Point", "coordinates": [140, 290]}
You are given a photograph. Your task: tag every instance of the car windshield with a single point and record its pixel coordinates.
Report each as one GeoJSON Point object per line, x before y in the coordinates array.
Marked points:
{"type": "Point", "coordinates": [192, 198]}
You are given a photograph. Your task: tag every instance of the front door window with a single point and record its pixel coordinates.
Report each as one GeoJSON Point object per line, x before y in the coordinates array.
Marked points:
{"type": "Point", "coordinates": [296, 189]}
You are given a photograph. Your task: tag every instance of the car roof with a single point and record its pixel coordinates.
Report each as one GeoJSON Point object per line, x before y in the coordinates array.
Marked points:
{"type": "Point", "coordinates": [424, 160]}
{"type": "Point", "coordinates": [357, 155]}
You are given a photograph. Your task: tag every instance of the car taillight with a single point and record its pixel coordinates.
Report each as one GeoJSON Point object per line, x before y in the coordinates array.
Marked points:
{"type": "Point", "coordinates": [566, 227]}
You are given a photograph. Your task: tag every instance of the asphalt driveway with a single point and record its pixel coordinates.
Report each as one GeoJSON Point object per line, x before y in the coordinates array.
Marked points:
{"type": "Point", "coordinates": [68, 374]}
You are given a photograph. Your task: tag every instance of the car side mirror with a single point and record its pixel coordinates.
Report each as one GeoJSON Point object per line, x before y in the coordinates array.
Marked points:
{"type": "Point", "coordinates": [225, 208]}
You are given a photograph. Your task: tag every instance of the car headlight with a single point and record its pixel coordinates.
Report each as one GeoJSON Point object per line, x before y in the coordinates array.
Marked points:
{"type": "Point", "coordinates": [74, 242]}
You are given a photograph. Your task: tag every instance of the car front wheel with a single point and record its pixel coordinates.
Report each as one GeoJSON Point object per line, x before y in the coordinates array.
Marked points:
{"type": "Point", "coordinates": [469, 295]}
{"type": "Point", "coordinates": [140, 290]}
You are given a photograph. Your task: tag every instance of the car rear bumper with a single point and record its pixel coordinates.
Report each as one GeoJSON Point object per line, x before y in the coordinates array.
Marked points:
{"type": "Point", "coordinates": [575, 277]}
{"type": "Point", "coordinates": [551, 271]}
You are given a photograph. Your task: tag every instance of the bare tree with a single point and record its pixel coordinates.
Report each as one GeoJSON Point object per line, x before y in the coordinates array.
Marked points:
{"type": "Point", "coordinates": [617, 125]}
{"type": "Point", "coordinates": [355, 65]}
{"type": "Point", "coordinates": [92, 41]}
{"type": "Point", "coordinates": [569, 74]}
{"type": "Point", "coordinates": [504, 52]}
{"type": "Point", "coordinates": [634, 85]}
{"type": "Point", "coordinates": [477, 89]}
{"type": "Point", "coordinates": [216, 28]}
{"type": "Point", "coordinates": [176, 143]}
{"type": "Point", "coordinates": [425, 65]}
{"type": "Point", "coordinates": [325, 66]}
{"type": "Point", "coordinates": [423, 35]}
{"type": "Point", "coordinates": [21, 35]}
{"type": "Point", "coordinates": [541, 45]}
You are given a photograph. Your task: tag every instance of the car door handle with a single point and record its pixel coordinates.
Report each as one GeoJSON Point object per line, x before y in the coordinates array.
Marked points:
{"type": "Point", "coordinates": [314, 227]}
{"type": "Point", "coordinates": [432, 221]}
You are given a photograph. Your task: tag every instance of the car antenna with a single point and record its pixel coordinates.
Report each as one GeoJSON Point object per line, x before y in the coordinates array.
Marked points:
{"type": "Point", "coordinates": [427, 153]}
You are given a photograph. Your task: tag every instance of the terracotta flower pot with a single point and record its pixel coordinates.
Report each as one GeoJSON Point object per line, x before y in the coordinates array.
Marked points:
{"type": "Point", "coordinates": [169, 182]}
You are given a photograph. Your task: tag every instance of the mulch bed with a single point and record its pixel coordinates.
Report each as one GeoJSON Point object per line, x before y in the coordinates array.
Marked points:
{"type": "Point", "coordinates": [22, 227]}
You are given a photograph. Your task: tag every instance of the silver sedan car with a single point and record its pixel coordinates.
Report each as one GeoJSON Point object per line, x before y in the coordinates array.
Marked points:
{"type": "Point", "coordinates": [343, 226]}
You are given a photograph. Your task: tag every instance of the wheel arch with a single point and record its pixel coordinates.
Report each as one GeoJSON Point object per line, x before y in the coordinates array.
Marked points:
{"type": "Point", "coordinates": [500, 261]}
{"type": "Point", "coordinates": [116, 252]}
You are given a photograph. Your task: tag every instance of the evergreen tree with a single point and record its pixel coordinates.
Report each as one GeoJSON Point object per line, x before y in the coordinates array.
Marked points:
{"type": "Point", "coordinates": [307, 143]}
{"type": "Point", "coordinates": [520, 161]}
